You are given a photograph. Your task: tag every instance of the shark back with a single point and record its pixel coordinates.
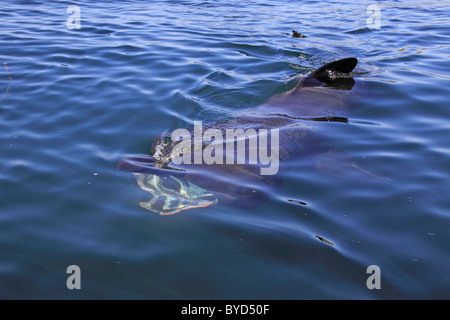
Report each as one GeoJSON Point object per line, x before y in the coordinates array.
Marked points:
{"type": "Point", "coordinates": [322, 93]}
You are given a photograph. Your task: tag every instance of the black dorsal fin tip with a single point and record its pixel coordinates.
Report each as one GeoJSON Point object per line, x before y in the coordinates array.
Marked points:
{"type": "Point", "coordinates": [344, 65]}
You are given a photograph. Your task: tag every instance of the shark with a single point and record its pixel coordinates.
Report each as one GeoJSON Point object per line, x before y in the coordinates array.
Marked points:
{"type": "Point", "coordinates": [320, 96]}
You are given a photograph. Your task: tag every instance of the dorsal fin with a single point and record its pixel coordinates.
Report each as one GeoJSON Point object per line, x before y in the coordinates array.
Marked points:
{"type": "Point", "coordinates": [344, 65]}
{"type": "Point", "coordinates": [334, 75]}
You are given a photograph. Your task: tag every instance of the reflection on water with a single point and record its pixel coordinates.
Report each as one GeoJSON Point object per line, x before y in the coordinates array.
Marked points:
{"type": "Point", "coordinates": [172, 194]}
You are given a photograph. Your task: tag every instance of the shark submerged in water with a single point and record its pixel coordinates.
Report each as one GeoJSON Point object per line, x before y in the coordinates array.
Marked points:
{"type": "Point", "coordinates": [320, 96]}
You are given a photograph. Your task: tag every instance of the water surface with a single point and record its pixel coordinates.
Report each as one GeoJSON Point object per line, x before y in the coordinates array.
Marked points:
{"type": "Point", "coordinates": [76, 101]}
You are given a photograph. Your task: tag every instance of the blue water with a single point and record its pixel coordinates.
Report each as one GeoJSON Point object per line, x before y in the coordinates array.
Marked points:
{"type": "Point", "coordinates": [74, 102]}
